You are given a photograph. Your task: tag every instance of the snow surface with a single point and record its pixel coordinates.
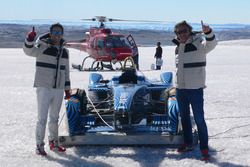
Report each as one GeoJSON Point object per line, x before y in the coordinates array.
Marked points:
{"type": "Point", "coordinates": [227, 109]}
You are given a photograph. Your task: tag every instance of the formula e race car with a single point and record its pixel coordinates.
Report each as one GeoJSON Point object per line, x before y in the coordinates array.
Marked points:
{"type": "Point", "coordinates": [125, 110]}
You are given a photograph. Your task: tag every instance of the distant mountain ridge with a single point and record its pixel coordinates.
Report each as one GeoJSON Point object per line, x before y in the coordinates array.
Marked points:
{"type": "Point", "coordinates": [146, 34]}
{"type": "Point", "coordinates": [161, 26]}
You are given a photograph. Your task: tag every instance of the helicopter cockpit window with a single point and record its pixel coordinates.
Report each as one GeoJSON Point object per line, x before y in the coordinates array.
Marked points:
{"type": "Point", "coordinates": [100, 43]}
{"type": "Point", "coordinates": [109, 43]}
{"type": "Point", "coordinates": [116, 42]}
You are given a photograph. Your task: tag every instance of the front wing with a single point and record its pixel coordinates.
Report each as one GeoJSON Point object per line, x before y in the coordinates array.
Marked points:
{"type": "Point", "coordinates": [124, 139]}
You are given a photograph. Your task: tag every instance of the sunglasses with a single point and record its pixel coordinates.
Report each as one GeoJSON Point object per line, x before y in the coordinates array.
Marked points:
{"type": "Point", "coordinates": [56, 33]}
{"type": "Point", "coordinates": [184, 31]}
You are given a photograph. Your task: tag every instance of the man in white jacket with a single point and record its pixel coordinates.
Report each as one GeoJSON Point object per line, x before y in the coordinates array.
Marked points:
{"type": "Point", "coordinates": [51, 81]}
{"type": "Point", "coordinates": [190, 59]}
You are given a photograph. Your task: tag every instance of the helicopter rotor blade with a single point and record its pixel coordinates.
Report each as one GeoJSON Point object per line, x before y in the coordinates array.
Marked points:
{"type": "Point", "coordinates": [93, 19]}
{"type": "Point", "coordinates": [110, 19]}
{"type": "Point", "coordinates": [105, 19]}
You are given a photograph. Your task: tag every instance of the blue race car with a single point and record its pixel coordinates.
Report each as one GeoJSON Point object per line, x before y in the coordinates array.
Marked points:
{"type": "Point", "coordinates": [125, 110]}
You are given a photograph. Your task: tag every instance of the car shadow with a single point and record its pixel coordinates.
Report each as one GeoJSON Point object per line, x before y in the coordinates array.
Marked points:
{"type": "Point", "coordinates": [146, 156]}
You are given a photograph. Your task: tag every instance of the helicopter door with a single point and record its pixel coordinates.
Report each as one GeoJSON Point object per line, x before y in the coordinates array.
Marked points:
{"type": "Point", "coordinates": [135, 52]}
{"type": "Point", "coordinates": [132, 44]}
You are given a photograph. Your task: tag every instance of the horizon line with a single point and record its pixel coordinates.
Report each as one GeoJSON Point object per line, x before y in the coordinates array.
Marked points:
{"type": "Point", "coordinates": [79, 20]}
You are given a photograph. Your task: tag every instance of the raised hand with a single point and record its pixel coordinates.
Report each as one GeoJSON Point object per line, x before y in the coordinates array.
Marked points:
{"type": "Point", "coordinates": [205, 28]}
{"type": "Point", "coordinates": [31, 35]}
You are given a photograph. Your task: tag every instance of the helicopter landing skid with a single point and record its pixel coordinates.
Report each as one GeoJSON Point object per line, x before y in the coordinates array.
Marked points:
{"type": "Point", "coordinates": [100, 66]}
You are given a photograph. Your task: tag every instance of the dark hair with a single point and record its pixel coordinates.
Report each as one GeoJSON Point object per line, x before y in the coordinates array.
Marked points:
{"type": "Point", "coordinates": [183, 23]}
{"type": "Point", "coordinates": [56, 25]}
{"type": "Point", "coordinates": [158, 43]}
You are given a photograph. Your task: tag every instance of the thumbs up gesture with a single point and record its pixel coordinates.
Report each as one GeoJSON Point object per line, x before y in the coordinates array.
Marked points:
{"type": "Point", "coordinates": [205, 28]}
{"type": "Point", "coordinates": [31, 35]}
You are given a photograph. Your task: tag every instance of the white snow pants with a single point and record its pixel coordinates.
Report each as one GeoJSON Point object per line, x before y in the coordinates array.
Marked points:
{"type": "Point", "coordinates": [49, 101]}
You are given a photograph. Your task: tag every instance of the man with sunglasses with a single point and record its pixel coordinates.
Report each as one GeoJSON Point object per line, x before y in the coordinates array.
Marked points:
{"type": "Point", "coordinates": [190, 59]}
{"type": "Point", "coordinates": [51, 81]}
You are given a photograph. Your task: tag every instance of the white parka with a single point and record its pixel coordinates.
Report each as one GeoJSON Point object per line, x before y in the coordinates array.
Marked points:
{"type": "Point", "coordinates": [52, 64]}
{"type": "Point", "coordinates": [191, 61]}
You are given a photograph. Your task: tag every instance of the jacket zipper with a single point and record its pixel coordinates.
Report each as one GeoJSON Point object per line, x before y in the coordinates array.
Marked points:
{"type": "Point", "coordinates": [57, 64]}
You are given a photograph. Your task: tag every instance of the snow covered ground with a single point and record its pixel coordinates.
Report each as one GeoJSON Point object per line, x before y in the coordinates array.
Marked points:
{"type": "Point", "coordinates": [227, 108]}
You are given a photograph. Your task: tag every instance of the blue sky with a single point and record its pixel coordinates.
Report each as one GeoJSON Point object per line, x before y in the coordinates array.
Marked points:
{"type": "Point", "coordinates": [211, 11]}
